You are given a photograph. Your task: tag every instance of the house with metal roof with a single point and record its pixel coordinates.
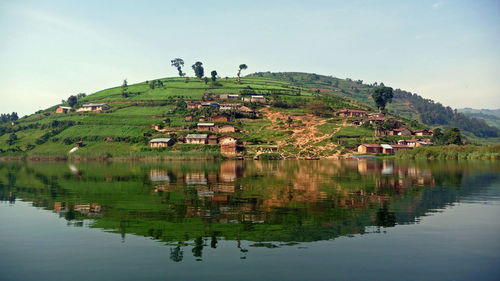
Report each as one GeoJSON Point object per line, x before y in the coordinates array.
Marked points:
{"type": "Point", "coordinates": [197, 138]}
{"type": "Point", "coordinates": [161, 142]}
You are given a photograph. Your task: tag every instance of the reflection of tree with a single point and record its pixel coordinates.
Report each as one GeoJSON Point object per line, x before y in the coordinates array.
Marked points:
{"type": "Point", "coordinates": [198, 247]}
{"type": "Point", "coordinates": [213, 241]}
{"type": "Point", "coordinates": [385, 218]}
{"type": "Point", "coordinates": [176, 254]}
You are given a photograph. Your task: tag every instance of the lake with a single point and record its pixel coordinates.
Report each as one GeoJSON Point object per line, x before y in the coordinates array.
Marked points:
{"type": "Point", "coordinates": [365, 219]}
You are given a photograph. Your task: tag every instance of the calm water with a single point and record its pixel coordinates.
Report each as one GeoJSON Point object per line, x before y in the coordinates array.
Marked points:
{"type": "Point", "coordinates": [248, 220]}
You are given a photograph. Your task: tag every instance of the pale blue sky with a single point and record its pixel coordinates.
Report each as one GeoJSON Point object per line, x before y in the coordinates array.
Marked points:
{"type": "Point", "coordinates": [444, 50]}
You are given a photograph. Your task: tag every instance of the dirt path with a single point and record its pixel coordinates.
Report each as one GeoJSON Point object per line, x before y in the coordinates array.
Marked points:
{"type": "Point", "coordinates": [307, 137]}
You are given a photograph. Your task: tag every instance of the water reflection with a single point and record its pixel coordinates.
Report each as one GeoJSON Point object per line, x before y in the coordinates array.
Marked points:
{"type": "Point", "coordinates": [193, 205]}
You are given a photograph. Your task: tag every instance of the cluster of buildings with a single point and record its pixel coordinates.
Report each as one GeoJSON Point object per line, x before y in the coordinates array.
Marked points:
{"type": "Point", "coordinates": [228, 144]}
{"type": "Point", "coordinates": [392, 148]}
{"type": "Point", "coordinates": [378, 119]}
{"type": "Point", "coordinates": [88, 107]}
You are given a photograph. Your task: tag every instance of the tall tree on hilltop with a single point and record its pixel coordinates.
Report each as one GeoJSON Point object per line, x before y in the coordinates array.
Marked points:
{"type": "Point", "coordinates": [14, 116]}
{"type": "Point", "coordinates": [241, 67]}
{"type": "Point", "coordinates": [179, 64]}
{"type": "Point", "coordinates": [198, 69]}
{"type": "Point", "coordinates": [382, 96]}
{"type": "Point", "coordinates": [214, 75]}
{"type": "Point", "coordinates": [124, 88]}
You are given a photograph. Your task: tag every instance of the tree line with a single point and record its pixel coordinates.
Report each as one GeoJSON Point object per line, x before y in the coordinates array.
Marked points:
{"type": "Point", "coordinates": [4, 118]}
{"type": "Point", "coordinates": [433, 113]}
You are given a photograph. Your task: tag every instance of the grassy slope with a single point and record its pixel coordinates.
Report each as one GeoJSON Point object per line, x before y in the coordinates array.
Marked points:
{"type": "Point", "coordinates": [492, 117]}
{"type": "Point", "coordinates": [118, 131]}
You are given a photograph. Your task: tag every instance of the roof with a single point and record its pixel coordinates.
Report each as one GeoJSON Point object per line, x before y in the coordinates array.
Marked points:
{"type": "Point", "coordinates": [400, 129]}
{"type": "Point", "coordinates": [94, 104]}
{"type": "Point", "coordinates": [196, 136]}
{"type": "Point", "coordinates": [371, 145]}
{"type": "Point", "coordinates": [206, 124]}
{"type": "Point", "coordinates": [259, 97]}
{"type": "Point", "coordinates": [386, 146]}
{"type": "Point", "coordinates": [354, 110]}
{"type": "Point", "coordinates": [212, 137]}
{"type": "Point", "coordinates": [65, 107]}
{"type": "Point", "coordinates": [376, 118]}
{"type": "Point", "coordinates": [160, 140]}
{"type": "Point", "coordinates": [400, 146]}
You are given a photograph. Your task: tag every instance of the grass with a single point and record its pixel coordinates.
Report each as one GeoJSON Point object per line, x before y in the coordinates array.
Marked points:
{"type": "Point", "coordinates": [468, 152]}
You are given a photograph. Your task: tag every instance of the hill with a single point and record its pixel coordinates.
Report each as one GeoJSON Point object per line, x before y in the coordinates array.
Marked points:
{"type": "Point", "coordinates": [295, 118]}
{"type": "Point", "coordinates": [490, 116]}
{"type": "Point", "coordinates": [405, 104]}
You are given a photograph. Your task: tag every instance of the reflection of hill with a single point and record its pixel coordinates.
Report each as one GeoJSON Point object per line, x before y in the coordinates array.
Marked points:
{"type": "Point", "coordinates": [250, 200]}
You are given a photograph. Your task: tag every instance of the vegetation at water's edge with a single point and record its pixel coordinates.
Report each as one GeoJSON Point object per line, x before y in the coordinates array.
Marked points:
{"type": "Point", "coordinates": [452, 152]}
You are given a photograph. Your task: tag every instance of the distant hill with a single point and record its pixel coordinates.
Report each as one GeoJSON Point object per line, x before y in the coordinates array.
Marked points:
{"type": "Point", "coordinates": [406, 104]}
{"type": "Point", "coordinates": [490, 116]}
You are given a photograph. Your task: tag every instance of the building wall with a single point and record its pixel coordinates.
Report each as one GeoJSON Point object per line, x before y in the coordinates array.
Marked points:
{"type": "Point", "coordinates": [159, 144]}
{"type": "Point", "coordinates": [196, 141]}
{"type": "Point", "coordinates": [226, 129]}
{"type": "Point", "coordinates": [206, 128]}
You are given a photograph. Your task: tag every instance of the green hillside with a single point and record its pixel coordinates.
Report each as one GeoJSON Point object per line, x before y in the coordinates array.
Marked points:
{"type": "Point", "coordinates": [298, 119]}
{"type": "Point", "coordinates": [406, 104]}
{"type": "Point", "coordinates": [490, 116]}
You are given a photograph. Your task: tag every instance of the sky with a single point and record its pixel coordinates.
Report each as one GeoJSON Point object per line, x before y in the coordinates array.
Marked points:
{"type": "Point", "coordinates": [447, 51]}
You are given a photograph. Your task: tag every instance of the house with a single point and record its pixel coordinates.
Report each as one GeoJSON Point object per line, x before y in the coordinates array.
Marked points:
{"type": "Point", "coordinates": [376, 115]}
{"type": "Point", "coordinates": [94, 107]}
{"type": "Point", "coordinates": [161, 142]}
{"type": "Point", "coordinates": [63, 109]}
{"type": "Point", "coordinates": [188, 118]}
{"type": "Point", "coordinates": [401, 132]}
{"type": "Point", "coordinates": [219, 118]}
{"type": "Point", "coordinates": [193, 105]}
{"type": "Point", "coordinates": [228, 106]}
{"type": "Point", "coordinates": [228, 96]}
{"type": "Point", "coordinates": [228, 145]}
{"type": "Point", "coordinates": [212, 139]}
{"type": "Point", "coordinates": [209, 104]}
{"type": "Point", "coordinates": [423, 132]}
{"type": "Point", "coordinates": [415, 142]}
{"type": "Point", "coordinates": [257, 99]}
{"type": "Point", "coordinates": [399, 147]}
{"type": "Point", "coordinates": [375, 120]}
{"type": "Point", "coordinates": [387, 149]}
{"type": "Point", "coordinates": [351, 113]}
{"type": "Point", "coordinates": [197, 138]}
{"type": "Point", "coordinates": [203, 119]}
{"type": "Point", "coordinates": [370, 148]}
{"type": "Point", "coordinates": [206, 127]}
{"type": "Point", "coordinates": [226, 129]}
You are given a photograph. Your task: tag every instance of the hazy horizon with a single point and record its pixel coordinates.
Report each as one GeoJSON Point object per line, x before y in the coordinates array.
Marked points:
{"type": "Point", "coordinates": [442, 50]}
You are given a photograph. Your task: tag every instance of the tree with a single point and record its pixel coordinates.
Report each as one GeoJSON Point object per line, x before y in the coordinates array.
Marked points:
{"type": "Point", "coordinates": [453, 136]}
{"type": "Point", "coordinates": [317, 107]}
{"type": "Point", "coordinates": [241, 67]}
{"type": "Point", "coordinates": [198, 69]}
{"type": "Point", "coordinates": [72, 100]}
{"type": "Point", "coordinates": [179, 64]}
{"type": "Point", "coordinates": [214, 75]}
{"type": "Point", "coordinates": [437, 136]}
{"type": "Point", "coordinates": [14, 116]}
{"type": "Point", "coordinates": [12, 138]}
{"type": "Point", "coordinates": [124, 88]}
{"type": "Point", "coordinates": [382, 96]}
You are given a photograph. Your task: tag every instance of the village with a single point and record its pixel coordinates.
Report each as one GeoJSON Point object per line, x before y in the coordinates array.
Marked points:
{"type": "Point", "coordinates": [216, 115]}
